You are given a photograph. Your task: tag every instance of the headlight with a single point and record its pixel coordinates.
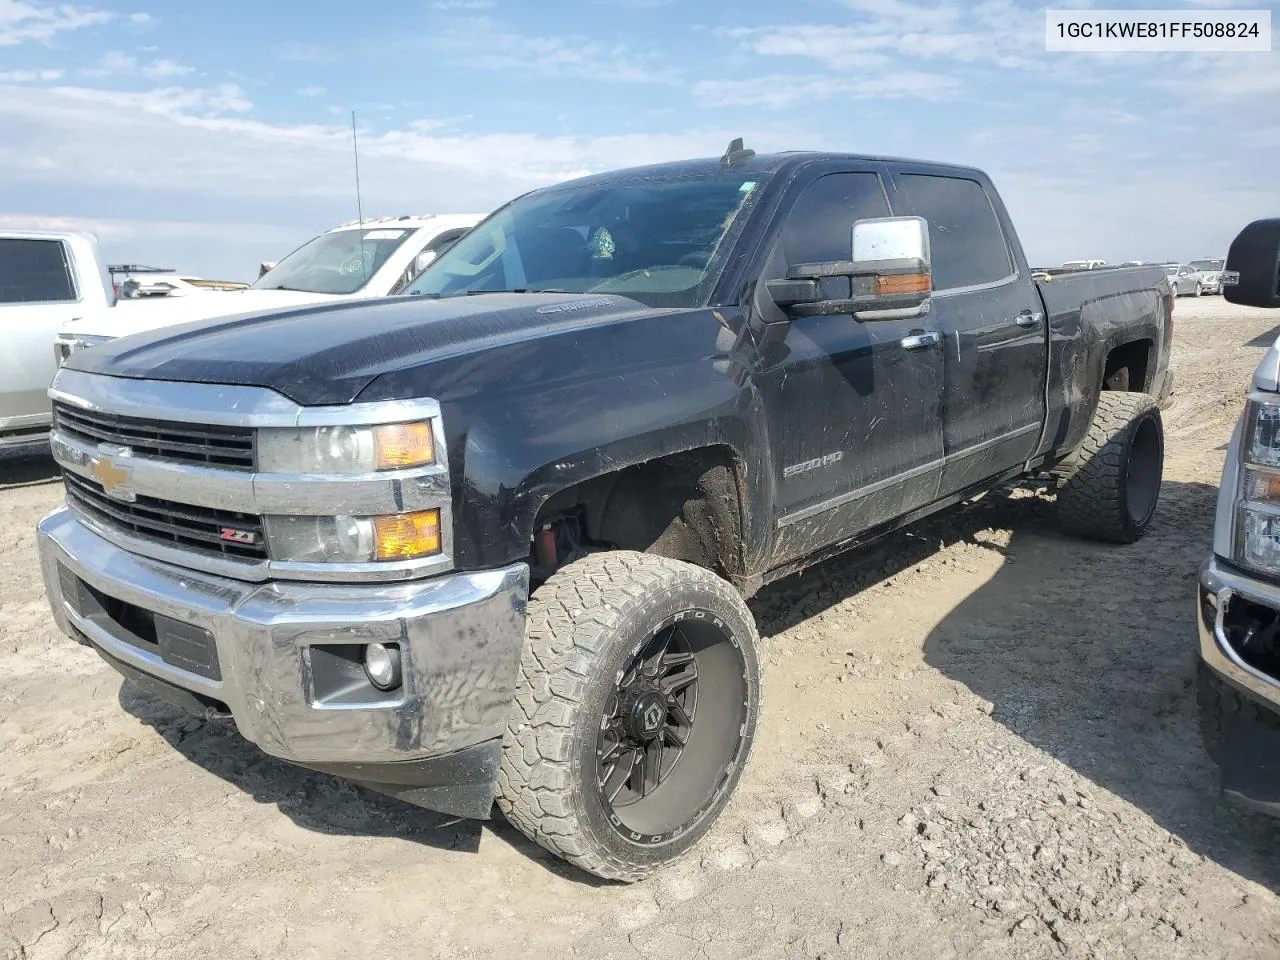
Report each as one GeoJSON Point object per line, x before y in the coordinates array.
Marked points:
{"type": "Point", "coordinates": [406, 536]}
{"type": "Point", "coordinates": [346, 449]}
{"type": "Point", "coordinates": [1258, 509]}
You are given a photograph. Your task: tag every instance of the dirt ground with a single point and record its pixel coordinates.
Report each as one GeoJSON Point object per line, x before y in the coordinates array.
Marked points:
{"type": "Point", "coordinates": [979, 740]}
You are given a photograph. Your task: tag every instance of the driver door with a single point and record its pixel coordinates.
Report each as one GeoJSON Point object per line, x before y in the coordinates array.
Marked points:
{"type": "Point", "coordinates": [854, 408]}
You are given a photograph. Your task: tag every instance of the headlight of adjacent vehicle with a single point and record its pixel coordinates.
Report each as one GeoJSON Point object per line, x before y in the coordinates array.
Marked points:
{"type": "Point", "coordinates": [1258, 510]}
{"type": "Point", "coordinates": [346, 449]}
{"type": "Point", "coordinates": [406, 536]}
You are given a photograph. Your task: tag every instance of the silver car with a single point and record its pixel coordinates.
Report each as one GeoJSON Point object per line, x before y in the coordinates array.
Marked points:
{"type": "Point", "coordinates": [1210, 270]}
{"type": "Point", "coordinates": [1184, 279]}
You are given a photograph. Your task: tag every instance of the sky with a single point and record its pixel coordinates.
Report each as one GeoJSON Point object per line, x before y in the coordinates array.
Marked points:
{"type": "Point", "coordinates": [208, 137]}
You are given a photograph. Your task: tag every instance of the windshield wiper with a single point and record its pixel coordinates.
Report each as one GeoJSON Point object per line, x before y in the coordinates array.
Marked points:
{"type": "Point", "coordinates": [480, 293]}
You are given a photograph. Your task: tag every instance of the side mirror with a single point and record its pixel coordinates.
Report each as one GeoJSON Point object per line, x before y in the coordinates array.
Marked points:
{"type": "Point", "coordinates": [424, 260]}
{"type": "Point", "coordinates": [265, 267]}
{"type": "Point", "coordinates": [1252, 274]}
{"type": "Point", "coordinates": [888, 278]}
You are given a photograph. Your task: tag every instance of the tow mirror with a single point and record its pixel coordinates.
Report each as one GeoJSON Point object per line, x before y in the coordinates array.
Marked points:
{"type": "Point", "coordinates": [888, 277]}
{"type": "Point", "coordinates": [1252, 274]}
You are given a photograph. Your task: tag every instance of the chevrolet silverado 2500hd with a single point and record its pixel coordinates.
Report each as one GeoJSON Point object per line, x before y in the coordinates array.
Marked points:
{"type": "Point", "coordinates": [492, 539]}
{"type": "Point", "coordinates": [1239, 596]}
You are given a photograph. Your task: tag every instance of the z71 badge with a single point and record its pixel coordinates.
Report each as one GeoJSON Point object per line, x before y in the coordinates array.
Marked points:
{"type": "Point", "coordinates": [817, 463]}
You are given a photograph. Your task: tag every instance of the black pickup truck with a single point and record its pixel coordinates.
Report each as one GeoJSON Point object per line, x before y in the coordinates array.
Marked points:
{"type": "Point", "coordinates": [492, 539]}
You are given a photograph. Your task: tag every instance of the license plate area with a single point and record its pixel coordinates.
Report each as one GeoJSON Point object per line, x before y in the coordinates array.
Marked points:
{"type": "Point", "coordinates": [181, 645]}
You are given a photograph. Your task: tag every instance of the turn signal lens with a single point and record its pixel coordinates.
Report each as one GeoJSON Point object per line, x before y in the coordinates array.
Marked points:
{"type": "Point", "coordinates": [904, 283]}
{"type": "Point", "coordinates": [1261, 486]}
{"type": "Point", "coordinates": [407, 536]}
{"type": "Point", "coordinates": [404, 445]}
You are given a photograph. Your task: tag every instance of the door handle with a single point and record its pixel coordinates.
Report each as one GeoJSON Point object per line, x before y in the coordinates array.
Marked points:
{"type": "Point", "coordinates": [918, 340]}
{"type": "Point", "coordinates": [1027, 319]}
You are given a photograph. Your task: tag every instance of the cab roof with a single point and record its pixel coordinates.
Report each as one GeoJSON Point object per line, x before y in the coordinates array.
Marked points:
{"type": "Point", "coordinates": [769, 164]}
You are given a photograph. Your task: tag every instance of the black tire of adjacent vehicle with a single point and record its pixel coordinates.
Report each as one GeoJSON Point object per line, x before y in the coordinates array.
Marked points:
{"type": "Point", "coordinates": [1112, 483]}
{"type": "Point", "coordinates": [1221, 704]}
{"type": "Point", "coordinates": [584, 625]}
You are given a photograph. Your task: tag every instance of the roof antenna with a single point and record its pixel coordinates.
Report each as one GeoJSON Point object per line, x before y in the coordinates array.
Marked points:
{"type": "Point", "coordinates": [736, 154]}
{"type": "Point", "coordinates": [355, 146]}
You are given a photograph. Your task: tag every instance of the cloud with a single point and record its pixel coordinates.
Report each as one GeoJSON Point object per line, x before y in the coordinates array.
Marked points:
{"type": "Point", "coordinates": [117, 64]}
{"type": "Point", "coordinates": [463, 4]}
{"type": "Point", "coordinates": [487, 44]}
{"type": "Point", "coordinates": [21, 21]}
{"type": "Point", "coordinates": [778, 91]}
{"type": "Point", "coordinates": [30, 76]}
{"type": "Point", "coordinates": [142, 21]}
{"type": "Point", "coordinates": [312, 92]}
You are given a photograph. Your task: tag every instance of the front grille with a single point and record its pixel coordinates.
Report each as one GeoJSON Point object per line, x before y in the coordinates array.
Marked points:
{"type": "Point", "coordinates": [171, 440]}
{"type": "Point", "coordinates": [174, 524]}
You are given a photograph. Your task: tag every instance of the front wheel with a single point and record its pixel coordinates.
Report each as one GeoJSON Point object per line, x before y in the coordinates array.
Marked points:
{"type": "Point", "coordinates": [1199, 290]}
{"type": "Point", "coordinates": [1111, 485]}
{"type": "Point", "coordinates": [636, 707]}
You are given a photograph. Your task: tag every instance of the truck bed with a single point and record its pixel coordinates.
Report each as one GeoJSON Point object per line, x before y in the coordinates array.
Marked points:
{"type": "Point", "coordinates": [1116, 306]}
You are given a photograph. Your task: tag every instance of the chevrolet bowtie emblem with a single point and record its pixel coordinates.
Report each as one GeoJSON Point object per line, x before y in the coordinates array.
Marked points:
{"type": "Point", "coordinates": [116, 478]}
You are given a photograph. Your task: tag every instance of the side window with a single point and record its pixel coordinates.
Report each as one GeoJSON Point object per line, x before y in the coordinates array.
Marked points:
{"type": "Point", "coordinates": [965, 239]}
{"type": "Point", "coordinates": [819, 227]}
{"type": "Point", "coordinates": [34, 271]}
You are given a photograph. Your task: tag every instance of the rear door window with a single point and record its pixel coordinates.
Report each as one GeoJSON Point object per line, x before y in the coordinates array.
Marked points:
{"type": "Point", "coordinates": [35, 271]}
{"type": "Point", "coordinates": [966, 242]}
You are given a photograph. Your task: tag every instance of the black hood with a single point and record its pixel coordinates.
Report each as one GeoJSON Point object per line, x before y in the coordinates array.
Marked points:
{"type": "Point", "coordinates": [327, 354]}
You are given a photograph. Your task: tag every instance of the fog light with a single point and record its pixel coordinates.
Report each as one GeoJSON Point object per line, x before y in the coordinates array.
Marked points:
{"type": "Point", "coordinates": [382, 664]}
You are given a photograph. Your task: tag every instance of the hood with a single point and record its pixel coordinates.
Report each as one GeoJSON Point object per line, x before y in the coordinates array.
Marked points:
{"type": "Point", "coordinates": [139, 316]}
{"type": "Point", "coordinates": [328, 354]}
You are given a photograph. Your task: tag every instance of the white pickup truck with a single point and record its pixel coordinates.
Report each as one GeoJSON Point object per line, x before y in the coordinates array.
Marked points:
{"type": "Point", "coordinates": [359, 259]}
{"type": "Point", "coordinates": [47, 280]}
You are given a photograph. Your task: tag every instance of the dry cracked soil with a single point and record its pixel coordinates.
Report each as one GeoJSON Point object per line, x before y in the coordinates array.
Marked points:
{"type": "Point", "coordinates": [979, 740]}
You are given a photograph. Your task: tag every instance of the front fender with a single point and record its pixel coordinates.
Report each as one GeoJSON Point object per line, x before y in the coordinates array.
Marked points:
{"type": "Point", "coordinates": [514, 458]}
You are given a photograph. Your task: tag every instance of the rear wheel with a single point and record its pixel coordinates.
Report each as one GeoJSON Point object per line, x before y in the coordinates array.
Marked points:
{"type": "Point", "coordinates": [1111, 485]}
{"type": "Point", "coordinates": [635, 712]}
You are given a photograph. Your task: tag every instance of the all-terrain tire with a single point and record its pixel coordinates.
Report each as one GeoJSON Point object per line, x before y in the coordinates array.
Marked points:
{"type": "Point", "coordinates": [1221, 705]}
{"type": "Point", "coordinates": [1111, 485]}
{"type": "Point", "coordinates": [585, 625]}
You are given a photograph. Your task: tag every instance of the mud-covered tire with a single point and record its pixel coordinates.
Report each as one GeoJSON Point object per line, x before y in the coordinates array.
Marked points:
{"type": "Point", "coordinates": [1111, 485]}
{"type": "Point", "coordinates": [588, 625]}
{"type": "Point", "coordinates": [1221, 705]}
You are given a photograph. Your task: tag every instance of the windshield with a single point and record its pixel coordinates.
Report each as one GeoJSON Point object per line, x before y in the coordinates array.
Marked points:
{"type": "Point", "coordinates": [656, 241]}
{"type": "Point", "coordinates": [1208, 264]}
{"type": "Point", "coordinates": [1171, 270]}
{"type": "Point", "coordinates": [338, 262]}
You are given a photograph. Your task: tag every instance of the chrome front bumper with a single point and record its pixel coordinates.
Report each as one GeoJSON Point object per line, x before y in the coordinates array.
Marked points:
{"type": "Point", "coordinates": [460, 637]}
{"type": "Point", "coordinates": [1218, 584]}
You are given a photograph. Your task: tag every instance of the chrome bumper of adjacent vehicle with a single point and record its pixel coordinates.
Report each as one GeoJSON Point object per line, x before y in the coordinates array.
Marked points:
{"type": "Point", "coordinates": [460, 637]}
{"type": "Point", "coordinates": [29, 430]}
{"type": "Point", "coordinates": [1218, 584]}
